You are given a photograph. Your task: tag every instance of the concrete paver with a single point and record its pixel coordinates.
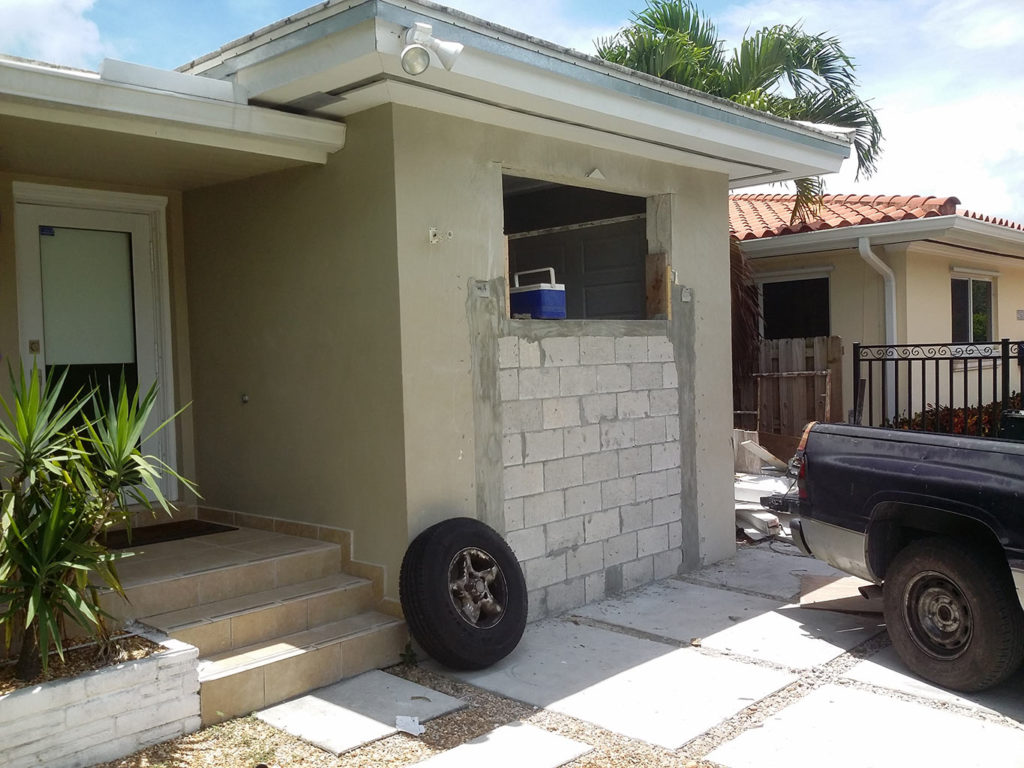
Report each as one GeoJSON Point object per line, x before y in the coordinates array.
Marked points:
{"type": "Point", "coordinates": [356, 711]}
{"type": "Point", "coordinates": [589, 673]}
{"type": "Point", "coordinates": [885, 670]}
{"type": "Point", "coordinates": [765, 571]}
{"type": "Point", "coordinates": [850, 728]}
{"type": "Point", "coordinates": [512, 746]}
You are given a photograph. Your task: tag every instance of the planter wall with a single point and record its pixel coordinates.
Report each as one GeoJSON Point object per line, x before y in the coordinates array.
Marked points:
{"type": "Point", "coordinates": [104, 714]}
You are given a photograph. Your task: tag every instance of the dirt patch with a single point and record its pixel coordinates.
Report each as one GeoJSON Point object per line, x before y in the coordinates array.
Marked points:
{"type": "Point", "coordinates": [79, 660]}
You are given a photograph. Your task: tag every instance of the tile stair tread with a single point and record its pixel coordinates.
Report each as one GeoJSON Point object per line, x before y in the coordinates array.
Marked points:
{"type": "Point", "coordinates": [239, 659]}
{"type": "Point", "coordinates": [235, 606]}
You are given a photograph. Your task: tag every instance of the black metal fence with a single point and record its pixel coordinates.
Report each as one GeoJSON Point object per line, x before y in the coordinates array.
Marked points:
{"type": "Point", "coordinates": [956, 388]}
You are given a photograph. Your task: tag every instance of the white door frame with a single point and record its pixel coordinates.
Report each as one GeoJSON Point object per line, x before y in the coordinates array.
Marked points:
{"type": "Point", "coordinates": [101, 205]}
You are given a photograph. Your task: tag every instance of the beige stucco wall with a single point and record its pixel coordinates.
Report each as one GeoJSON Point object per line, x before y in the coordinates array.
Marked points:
{"type": "Point", "coordinates": [293, 290]}
{"type": "Point", "coordinates": [448, 175]}
{"type": "Point", "coordinates": [9, 351]}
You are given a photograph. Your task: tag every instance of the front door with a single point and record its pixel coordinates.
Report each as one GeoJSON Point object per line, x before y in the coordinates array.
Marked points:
{"type": "Point", "coordinates": [89, 300]}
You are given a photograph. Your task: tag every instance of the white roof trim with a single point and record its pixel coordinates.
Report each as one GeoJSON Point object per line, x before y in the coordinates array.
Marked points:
{"type": "Point", "coordinates": [883, 233]}
{"type": "Point", "coordinates": [85, 100]}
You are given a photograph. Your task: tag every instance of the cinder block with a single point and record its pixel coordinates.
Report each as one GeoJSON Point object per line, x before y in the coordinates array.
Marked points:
{"type": "Point", "coordinates": [595, 350]}
{"type": "Point", "coordinates": [651, 486]}
{"type": "Point", "coordinates": [673, 481]}
{"type": "Point", "coordinates": [615, 493]}
{"type": "Point", "coordinates": [594, 584]}
{"type": "Point", "coordinates": [566, 596]}
{"type": "Point", "coordinates": [634, 405]}
{"type": "Point", "coordinates": [649, 431]}
{"type": "Point", "coordinates": [536, 604]}
{"type": "Point", "coordinates": [637, 573]}
{"type": "Point", "coordinates": [670, 376]}
{"type": "Point", "coordinates": [578, 380]}
{"type": "Point", "coordinates": [581, 440]}
{"type": "Point", "coordinates": [529, 354]}
{"type": "Point", "coordinates": [544, 571]}
{"type": "Point", "coordinates": [667, 563]}
{"type": "Point", "coordinates": [600, 466]}
{"type": "Point", "coordinates": [665, 456]}
{"type": "Point", "coordinates": [527, 543]}
{"type": "Point", "coordinates": [599, 526]}
{"type": "Point", "coordinates": [613, 378]}
{"type": "Point", "coordinates": [651, 540]}
{"type": "Point", "coordinates": [631, 349]}
{"type": "Point", "coordinates": [582, 499]}
{"type": "Point", "coordinates": [586, 558]}
{"type": "Point", "coordinates": [154, 716]}
{"type": "Point", "coordinates": [513, 510]}
{"type": "Point", "coordinates": [561, 412]}
{"type": "Point", "coordinates": [633, 461]}
{"type": "Point", "coordinates": [646, 375]}
{"type": "Point", "coordinates": [660, 349]}
{"type": "Point", "coordinates": [664, 402]}
{"type": "Point", "coordinates": [536, 383]}
{"type": "Point", "coordinates": [667, 509]}
{"type": "Point", "coordinates": [560, 350]}
{"type": "Point", "coordinates": [562, 534]}
{"type": "Point", "coordinates": [508, 384]}
{"type": "Point", "coordinates": [620, 549]}
{"type": "Point", "coordinates": [613, 580]}
{"type": "Point", "coordinates": [522, 416]}
{"type": "Point", "coordinates": [675, 535]}
{"type": "Point", "coordinates": [597, 408]}
{"type": "Point", "coordinates": [512, 449]}
{"type": "Point", "coordinates": [617, 434]}
{"type": "Point", "coordinates": [128, 675]}
{"type": "Point", "coordinates": [523, 481]}
{"type": "Point", "coordinates": [508, 352]}
{"type": "Point", "coordinates": [543, 445]}
{"type": "Point", "coordinates": [672, 428]}
{"type": "Point", "coordinates": [636, 516]}
{"type": "Point", "coordinates": [23, 703]}
{"type": "Point", "coordinates": [543, 508]}
{"type": "Point", "coordinates": [563, 473]}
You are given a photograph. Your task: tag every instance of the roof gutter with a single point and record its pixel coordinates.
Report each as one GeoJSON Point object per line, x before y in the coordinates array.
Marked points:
{"type": "Point", "coordinates": [889, 281]}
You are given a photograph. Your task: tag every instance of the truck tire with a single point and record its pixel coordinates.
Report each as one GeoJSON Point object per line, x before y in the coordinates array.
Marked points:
{"type": "Point", "coordinates": [952, 616]}
{"type": "Point", "coordinates": [463, 594]}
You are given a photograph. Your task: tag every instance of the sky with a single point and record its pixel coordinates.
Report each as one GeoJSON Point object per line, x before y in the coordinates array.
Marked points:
{"type": "Point", "coordinates": [945, 76]}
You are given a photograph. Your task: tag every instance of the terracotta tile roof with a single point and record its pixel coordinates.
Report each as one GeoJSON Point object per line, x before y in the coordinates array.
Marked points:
{"type": "Point", "coordinates": [757, 216]}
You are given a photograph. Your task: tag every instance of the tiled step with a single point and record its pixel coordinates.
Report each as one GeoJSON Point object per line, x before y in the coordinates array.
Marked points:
{"type": "Point", "coordinates": [240, 621]}
{"type": "Point", "coordinates": [242, 680]}
{"type": "Point", "coordinates": [160, 579]}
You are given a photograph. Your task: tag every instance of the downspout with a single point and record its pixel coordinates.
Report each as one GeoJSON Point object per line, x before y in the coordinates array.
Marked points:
{"type": "Point", "coordinates": [889, 280]}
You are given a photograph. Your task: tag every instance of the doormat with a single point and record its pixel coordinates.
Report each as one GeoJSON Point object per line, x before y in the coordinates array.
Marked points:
{"type": "Point", "coordinates": [156, 534]}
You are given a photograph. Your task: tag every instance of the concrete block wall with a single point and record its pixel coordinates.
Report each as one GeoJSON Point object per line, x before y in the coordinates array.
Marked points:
{"type": "Point", "coordinates": [102, 715]}
{"type": "Point", "coordinates": [591, 457]}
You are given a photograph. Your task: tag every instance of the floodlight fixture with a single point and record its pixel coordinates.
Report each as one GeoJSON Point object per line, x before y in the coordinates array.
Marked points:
{"type": "Point", "coordinates": [419, 41]}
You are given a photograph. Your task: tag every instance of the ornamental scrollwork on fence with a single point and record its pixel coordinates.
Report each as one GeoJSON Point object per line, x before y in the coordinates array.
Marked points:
{"type": "Point", "coordinates": [935, 351]}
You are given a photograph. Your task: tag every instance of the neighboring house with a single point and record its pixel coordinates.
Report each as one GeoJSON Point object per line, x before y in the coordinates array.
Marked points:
{"type": "Point", "coordinates": [308, 244]}
{"type": "Point", "coordinates": [880, 269]}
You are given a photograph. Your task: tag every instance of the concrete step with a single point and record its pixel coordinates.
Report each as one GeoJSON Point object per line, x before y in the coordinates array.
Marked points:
{"type": "Point", "coordinates": [239, 681]}
{"type": "Point", "coordinates": [241, 621]}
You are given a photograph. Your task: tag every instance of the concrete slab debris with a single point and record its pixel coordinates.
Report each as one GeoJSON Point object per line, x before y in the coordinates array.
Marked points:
{"type": "Point", "coordinates": [885, 670]}
{"type": "Point", "coordinates": [356, 711]}
{"type": "Point", "coordinates": [588, 673]}
{"type": "Point", "coordinates": [511, 746]}
{"type": "Point", "coordinates": [849, 728]}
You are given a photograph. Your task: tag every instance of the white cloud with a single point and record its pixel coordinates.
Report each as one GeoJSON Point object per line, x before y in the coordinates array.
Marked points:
{"type": "Point", "coordinates": [55, 31]}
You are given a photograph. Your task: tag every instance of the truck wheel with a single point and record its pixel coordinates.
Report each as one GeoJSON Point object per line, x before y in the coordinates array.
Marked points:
{"type": "Point", "coordinates": [953, 618]}
{"type": "Point", "coordinates": [463, 594]}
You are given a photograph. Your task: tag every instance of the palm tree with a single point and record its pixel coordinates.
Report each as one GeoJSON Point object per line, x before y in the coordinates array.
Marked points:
{"type": "Point", "coordinates": [781, 70]}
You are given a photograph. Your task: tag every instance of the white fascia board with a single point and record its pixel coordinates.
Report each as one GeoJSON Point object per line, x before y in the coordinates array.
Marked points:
{"type": "Point", "coordinates": [950, 228]}
{"type": "Point", "coordinates": [85, 100]}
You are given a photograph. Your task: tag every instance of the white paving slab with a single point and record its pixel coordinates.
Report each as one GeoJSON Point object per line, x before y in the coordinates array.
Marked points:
{"type": "Point", "coordinates": [515, 745]}
{"type": "Point", "coordinates": [729, 621]}
{"type": "Point", "coordinates": [885, 669]}
{"type": "Point", "coordinates": [638, 688]}
{"type": "Point", "coordinates": [848, 728]}
{"type": "Point", "coordinates": [357, 711]}
{"type": "Point", "coordinates": [764, 570]}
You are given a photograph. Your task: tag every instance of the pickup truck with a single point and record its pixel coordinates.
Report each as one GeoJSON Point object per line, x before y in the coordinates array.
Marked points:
{"type": "Point", "coordinates": [937, 521]}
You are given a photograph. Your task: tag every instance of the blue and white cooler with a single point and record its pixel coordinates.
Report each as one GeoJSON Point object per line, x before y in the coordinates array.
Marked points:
{"type": "Point", "coordinates": [541, 301]}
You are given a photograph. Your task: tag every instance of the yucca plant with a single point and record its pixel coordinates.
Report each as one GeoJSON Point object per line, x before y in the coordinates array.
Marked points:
{"type": "Point", "coordinates": [73, 468]}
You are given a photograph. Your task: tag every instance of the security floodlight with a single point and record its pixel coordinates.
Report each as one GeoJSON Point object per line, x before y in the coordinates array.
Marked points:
{"type": "Point", "coordinates": [419, 41]}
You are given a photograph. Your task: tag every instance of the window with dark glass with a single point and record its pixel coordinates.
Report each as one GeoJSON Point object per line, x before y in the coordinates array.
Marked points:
{"type": "Point", "coordinates": [796, 309]}
{"type": "Point", "coordinates": [971, 310]}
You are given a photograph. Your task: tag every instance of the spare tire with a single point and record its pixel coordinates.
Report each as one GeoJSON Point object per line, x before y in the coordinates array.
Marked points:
{"type": "Point", "coordinates": [463, 594]}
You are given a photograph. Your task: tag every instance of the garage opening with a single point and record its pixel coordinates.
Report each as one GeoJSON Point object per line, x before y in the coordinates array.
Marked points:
{"type": "Point", "coordinates": [595, 241]}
